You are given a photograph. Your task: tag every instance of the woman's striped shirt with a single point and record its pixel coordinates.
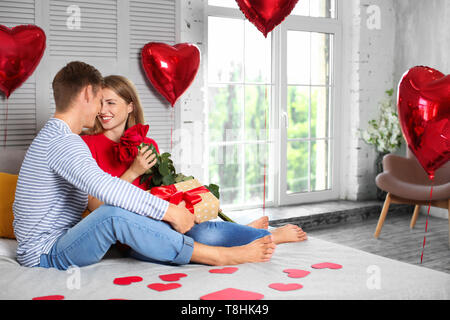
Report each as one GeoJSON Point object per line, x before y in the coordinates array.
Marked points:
{"type": "Point", "coordinates": [56, 176]}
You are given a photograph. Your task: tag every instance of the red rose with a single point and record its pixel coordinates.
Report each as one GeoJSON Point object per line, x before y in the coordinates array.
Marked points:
{"type": "Point", "coordinates": [134, 136]}
{"type": "Point", "coordinates": [126, 153]}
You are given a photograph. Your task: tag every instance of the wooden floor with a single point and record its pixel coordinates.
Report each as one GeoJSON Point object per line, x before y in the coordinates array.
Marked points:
{"type": "Point", "coordinates": [396, 241]}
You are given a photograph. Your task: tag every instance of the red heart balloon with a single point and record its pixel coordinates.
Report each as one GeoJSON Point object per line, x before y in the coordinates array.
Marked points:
{"type": "Point", "coordinates": [266, 14]}
{"type": "Point", "coordinates": [21, 50]}
{"type": "Point", "coordinates": [170, 69]}
{"type": "Point", "coordinates": [424, 113]}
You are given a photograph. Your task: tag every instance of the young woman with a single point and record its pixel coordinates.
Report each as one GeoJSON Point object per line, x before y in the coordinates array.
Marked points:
{"type": "Point", "coordinates": [121, 110]}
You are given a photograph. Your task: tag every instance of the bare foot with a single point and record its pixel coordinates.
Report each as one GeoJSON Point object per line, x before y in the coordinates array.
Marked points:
{"type": "Point", "coordinates": [261, 223]}
{"type": "Point", "coordinates": [288, 233]}
{"type": "Point", "coordinates": [260, 250]}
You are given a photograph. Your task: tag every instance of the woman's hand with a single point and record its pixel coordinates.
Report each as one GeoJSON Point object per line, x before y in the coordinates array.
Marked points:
{"type": "Point", "coordinates": [143, 161]}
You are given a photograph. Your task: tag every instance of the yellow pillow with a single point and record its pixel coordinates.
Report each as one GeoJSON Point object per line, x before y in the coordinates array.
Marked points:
{"type": "Point", "coordinates": [8, 184]}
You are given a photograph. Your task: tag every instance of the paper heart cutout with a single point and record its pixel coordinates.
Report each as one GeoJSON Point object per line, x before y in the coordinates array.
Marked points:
{"type": "Point", "coordinates": [285, 286]}
{"type": "Point", "coordinates": [170, 69]}
{"type": "Point", "coordinates": [21, 50]}
{"type": "Point", "coordinates": [266, 14]}
{"type": "Point", "coordinates": [424, 114]}
{"type": "Point", "coordinates": [172, 276]}
{"type": "Point", "coordinates": [124, 281]}
{"type": "Point", "coordinates": [296, 273]}
{"type": "Point", "coordinates": [328, 265]}
{"type": "Point", "coordinates": [228, 270]}
{"type": "Point", "coordinates": [52, 297]}
{"type": "Point", "coordinates": [232, 294]}
{"type": "Point", "coordinates": [163, 286]}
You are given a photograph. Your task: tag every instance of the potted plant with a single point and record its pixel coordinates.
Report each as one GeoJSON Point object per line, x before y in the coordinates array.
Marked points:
{"type": "Point", "coordinates": [384, 133]}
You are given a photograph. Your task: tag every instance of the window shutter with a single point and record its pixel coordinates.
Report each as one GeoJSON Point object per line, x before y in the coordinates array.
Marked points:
{"type": "Point", "coordinates": [21, 114]}
{"type": "Point", "coordinates": [21, 123]}
{"type": "Point", "coordinates": [152, 21]}
{"type": "Point", "coordinates": [110, 45]}
{"type": "Point", "coordinates": [97, 35]}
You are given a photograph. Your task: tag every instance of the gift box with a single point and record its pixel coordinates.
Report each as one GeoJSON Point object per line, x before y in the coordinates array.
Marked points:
{"type": "Point", "coordinates": [198, 199]}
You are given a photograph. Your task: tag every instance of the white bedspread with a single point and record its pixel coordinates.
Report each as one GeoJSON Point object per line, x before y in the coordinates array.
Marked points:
{"type": "Point", "coordinates": [358, 279]}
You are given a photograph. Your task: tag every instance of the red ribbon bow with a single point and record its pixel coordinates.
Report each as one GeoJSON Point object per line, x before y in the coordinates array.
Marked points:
{"type": "Point", "coordinates": [171, 194]}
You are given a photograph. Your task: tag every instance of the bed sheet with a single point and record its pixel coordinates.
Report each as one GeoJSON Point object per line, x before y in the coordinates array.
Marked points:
{"type": "Point", "coordinates": [363, 276]}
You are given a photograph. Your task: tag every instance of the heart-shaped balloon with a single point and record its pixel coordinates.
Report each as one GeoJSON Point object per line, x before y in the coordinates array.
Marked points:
{"type": "Point", "coordinates": [266, 14]}
{"type": "Point", "coordinates": [21, 50]}
{"type": "Point", "coordinates": [424, 113]}
{"type": "Point", "coordinates": [170, 69]}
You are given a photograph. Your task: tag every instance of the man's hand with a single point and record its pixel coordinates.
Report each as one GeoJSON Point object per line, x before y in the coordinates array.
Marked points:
{"type": "Point", "coordinates": [180, 218]}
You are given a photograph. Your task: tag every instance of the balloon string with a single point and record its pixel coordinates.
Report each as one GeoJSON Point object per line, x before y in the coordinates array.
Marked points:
{"type": "Point", "coordinates": [171, 128]}
{"type": "Point", "coordinates": [426, 223]}
{"type": "Point", "coordinates": [265, 155]}
{"type": "Point", "coordinates": [6, 124]}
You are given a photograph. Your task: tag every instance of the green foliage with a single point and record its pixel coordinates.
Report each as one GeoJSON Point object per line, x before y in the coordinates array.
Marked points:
{"type": "Point", "coordinates": [163, 173]}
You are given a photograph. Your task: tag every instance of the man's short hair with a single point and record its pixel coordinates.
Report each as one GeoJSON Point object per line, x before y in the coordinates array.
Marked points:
{"type": "Point", "coordinates": [71, 79]}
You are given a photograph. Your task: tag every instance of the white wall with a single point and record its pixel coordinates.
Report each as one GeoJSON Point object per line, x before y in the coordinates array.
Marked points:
{"type": "Point", "coordinates": [369, 38]}
{"type": "Point", "coordinates": [422, 38]}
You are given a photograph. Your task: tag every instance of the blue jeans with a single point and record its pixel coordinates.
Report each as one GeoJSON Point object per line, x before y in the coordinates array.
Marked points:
{"type": "Point", "coordinates": [150, 240]}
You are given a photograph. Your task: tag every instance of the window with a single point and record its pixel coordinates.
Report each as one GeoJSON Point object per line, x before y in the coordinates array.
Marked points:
{"type": "Point", "coordinates": [286, 82]}
{"type": "Point", "coordinates": [308, 99]}
{"type": "Point", "coordinates": [239, 91]}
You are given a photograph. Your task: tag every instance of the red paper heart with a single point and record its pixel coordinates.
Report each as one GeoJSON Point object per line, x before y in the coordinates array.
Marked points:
{"type": "Point", "coordinates": [285, 286]}
{"type": "Point", "coordinates": [124, 281]}
{"type": "Point", "coordinates": [232, 294]}
{"type": "Point", "coordinates": [53, 297]}
{"type": "Point", "coordinates": [296, 273]}
{"type": "Point", "coordinates": [170, 69]}
{"type": "Point", "coordinates": [424, 115]}
{"type": "Point", "coordinates": [21, 50]}
{"type": "Point", "coordinates": [228, 270]}
{"type": "Point", "coordinates": [266, 14]}
{"type": "Point", "coordinates": [163, 286]}
{"type": "Point", "coordinates": [172, 276]}
{"type": "Point", "coordinates": [328, 265]}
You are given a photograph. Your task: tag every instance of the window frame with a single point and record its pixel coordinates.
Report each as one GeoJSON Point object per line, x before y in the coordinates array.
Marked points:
{"type": "Point", "coordinates": [278, 133]}
{"type": "Point", "coordinates": [322, 25]}
{"type": "Point", "coordinates": [225, 12]}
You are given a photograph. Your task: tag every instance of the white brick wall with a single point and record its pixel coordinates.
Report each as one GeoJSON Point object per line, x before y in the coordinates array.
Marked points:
{"type": "Point", "coordinates": [368, 73]}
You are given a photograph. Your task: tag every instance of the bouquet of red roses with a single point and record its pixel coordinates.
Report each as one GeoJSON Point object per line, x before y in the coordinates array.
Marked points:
{"type": "Point", "coordinates": [163, 173]}
{"type": "Point", "coordinates": [127, 149]}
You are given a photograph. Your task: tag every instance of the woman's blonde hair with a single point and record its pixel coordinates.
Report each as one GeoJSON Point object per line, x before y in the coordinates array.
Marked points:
{"type": "Point", "coordinates": [125, 89]}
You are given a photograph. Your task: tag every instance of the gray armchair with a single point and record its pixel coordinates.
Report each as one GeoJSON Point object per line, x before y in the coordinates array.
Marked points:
{"type": "Point", "coordinates": [406, 182]}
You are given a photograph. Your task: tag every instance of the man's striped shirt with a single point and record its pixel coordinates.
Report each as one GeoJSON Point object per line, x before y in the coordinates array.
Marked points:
{"type": "Point", "coordinates": [56, 176]}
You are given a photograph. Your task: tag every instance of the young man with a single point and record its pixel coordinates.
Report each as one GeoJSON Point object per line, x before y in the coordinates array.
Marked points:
{"type": "Point", "coordinates": [57, 175]}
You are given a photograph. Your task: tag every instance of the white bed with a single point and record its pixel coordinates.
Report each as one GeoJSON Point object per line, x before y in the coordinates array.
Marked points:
{"type": "Point", "coordinates": [397, 280]}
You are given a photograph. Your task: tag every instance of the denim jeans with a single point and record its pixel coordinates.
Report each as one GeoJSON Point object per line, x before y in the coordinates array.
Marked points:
{"type": "Point", "coordinates": [150, 240]}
